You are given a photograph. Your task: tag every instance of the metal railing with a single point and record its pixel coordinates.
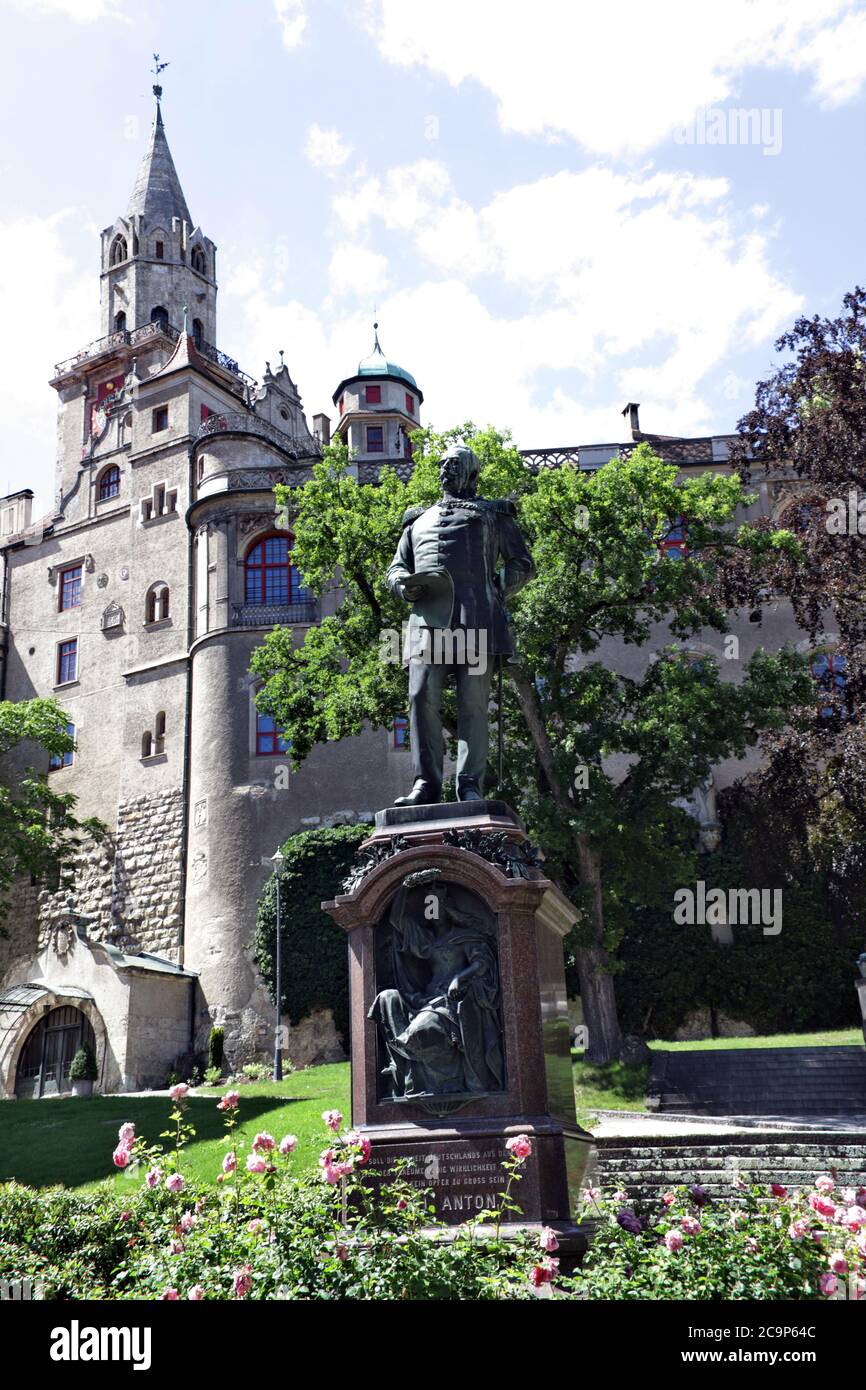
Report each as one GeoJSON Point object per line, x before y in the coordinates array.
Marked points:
{"type": "Point", "coordinates": [133, 337]}
{"type": "Point", "coordinates": [269, 614]}
{"type": "Point", "coordinates": [247, 422]}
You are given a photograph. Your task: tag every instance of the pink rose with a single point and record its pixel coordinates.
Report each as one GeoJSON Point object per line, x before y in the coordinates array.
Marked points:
{"type": "Point", "coordinates": [828, 1284]}
{"type": "Point", "coordinates": [547, 1240]}
{"type": "Point", "coordinates": [669, 1198]}
{"type": "Point", "coordinates": [230, 1162]}
{"type": "Point", "coordinates": [331, 1173]}
{"type": "Point", "coordinates": [256, 1164]}
{"type": "Point", "coordinates": [333, 1119]}
{"type": "Point", "coordinates": [691, 1225]}
{"type": "Point", "coordinates": [242, 1281]}
{"type": "Point", "coordinates": [288, 1143]}
{"type": "Point", "coordinates": [171, 1294]}
{"type": "Point", "coordinates": [620, 1197]}
{"type": "Point", "coordinates": [187, 1221]}
{"type": "Point", "coordinates": [857, 1288]}
{"type": "Point", "coordinates": [121, 1156]}
{"type": "Point", "coordinates": [849, 1196]}
{"type": "Point", "coordinates": [778, 1190]}
{"type": "Point", "coordinates": [360, 1141]}
{"type": "Point", "coordinates": [854, 1217]}
{"type": "Point", "coordinates": [543, 1273]}
{"type": "Point", "coordinates": [196, 1293]}
{"type": "Point", "coordinates": [824, 1183]}
{"type": "Point", "coordinates": [175, 1182]}
{"type": "Point", "coordinates": [126, 1134]}
{"type": "Point", "coordinates": [153, 1178]}
{"type": "Point", "coordinates": [179, 1091]}
{"type": "Point", "coordinates": [125, 1216]}
{"type": "Point", "coordinates": [591, 1194]}
{"type": "Point", "coordinates": [263, 1143]}
{"type": "Point", "coordinates": [674, 1241]}
{"type": "Point", "coordinates": [520, 1147]}
{"type": "Point", "coordinates": [175, 1247]}
{"type": "Point", "coordinates": [798, 1229]}
{"type": "Point", "coordinates": [837, 1262]}
{"type": "Point", "coordinates": [861, 1245]}
{"type": "Point", "coordinates": [255, 1226]}
{"type": "Point", "coordinates": [821, 1205]}
{"type": "Point", "coordinates": [229, 1101]}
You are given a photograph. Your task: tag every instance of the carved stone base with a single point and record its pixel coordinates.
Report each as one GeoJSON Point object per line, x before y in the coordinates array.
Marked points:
{"type": "Point", "coordinates": [507, 909]}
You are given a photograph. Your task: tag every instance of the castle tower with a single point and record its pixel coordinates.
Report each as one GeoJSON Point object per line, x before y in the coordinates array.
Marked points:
{"type": "Point", "coordinates": [155, 260]}
{"type": "Point", "coordinates": [377, 408]}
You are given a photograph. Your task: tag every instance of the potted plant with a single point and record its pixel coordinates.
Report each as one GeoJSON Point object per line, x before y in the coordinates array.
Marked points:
{"type": "Point", "coordinates": [83, 1071]}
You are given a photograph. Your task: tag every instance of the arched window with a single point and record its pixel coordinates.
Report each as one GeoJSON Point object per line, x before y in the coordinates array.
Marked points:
{"type": "Point", "coordinates": [109, 483]}
{"type": "Point", "coordinates": [198, 261]}
{"type": "Point", "coordinates": [197, 332]}
{"type": "Point", "coordinates": [43, 1066]}
{"type": "Point", "coordinates": [120, 322]}
{"type": "Point", "coordinates": [159, 733]}
{"type": "Point", "coordinates": [674, 541]}
{"type": "Point", "coordinates": [147, 744]}
{"type": "Point", "coordinates": [159, 315]}
{"type": "Point", "coordinates": [269, 575]}
{"type": "Point", "coordinates": [269, 740]}
{"type": "Point", "coordinates": [157, 603]}
{"type": "Point", "coordinates": [118, 251]}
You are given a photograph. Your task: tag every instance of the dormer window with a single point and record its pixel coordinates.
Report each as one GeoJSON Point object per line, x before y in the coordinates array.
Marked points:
{"type": "Point", "coordinates": [197, 260]}
{"type": "Point", "coordinates": [410, 403]}
{"type": "Point", "coordinates": [160, 250]}
{"type": "Point", "coordinates": [373, 395]}
{"type": "Point", "coordinates": [118, 251]}
{"type": "Point", "coordinates": [375, 439]}
{"type": "Point", "coordinates": [159, 314]}
{"type": "Point", "coordinates": [197, 332]}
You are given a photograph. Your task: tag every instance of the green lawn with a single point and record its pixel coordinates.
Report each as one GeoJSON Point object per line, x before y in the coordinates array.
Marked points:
{"type": "Point", "coordinates": [70, 1141]}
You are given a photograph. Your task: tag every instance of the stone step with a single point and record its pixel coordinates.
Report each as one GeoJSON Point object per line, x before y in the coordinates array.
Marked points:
{"type": "Point", "coordinates": [802, 1081]}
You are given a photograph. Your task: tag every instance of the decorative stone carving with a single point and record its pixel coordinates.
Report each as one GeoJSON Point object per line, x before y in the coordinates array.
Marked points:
{"type": "Point", "coordinates": [515, 858]}
{"type": "Point", "coordinates": [112, 618]}
{"type": "Point", "coordinates": [102, 581]}
{"type": "Point", "coordinates": [370, 857]}
{"type": "Point", "coordinates": [438, 1000]}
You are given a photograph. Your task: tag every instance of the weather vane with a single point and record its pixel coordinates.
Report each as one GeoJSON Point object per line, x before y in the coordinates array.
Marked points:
{"type": "Point", "coordinates": [157, 68]}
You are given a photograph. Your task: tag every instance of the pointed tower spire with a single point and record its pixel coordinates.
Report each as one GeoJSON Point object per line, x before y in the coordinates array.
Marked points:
{"type": "Point", "coordinates": [157, 195]}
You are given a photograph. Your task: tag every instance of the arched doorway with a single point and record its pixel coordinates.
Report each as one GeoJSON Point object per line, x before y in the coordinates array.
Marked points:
{"type": "Point", "coordinates": [43, 1066]}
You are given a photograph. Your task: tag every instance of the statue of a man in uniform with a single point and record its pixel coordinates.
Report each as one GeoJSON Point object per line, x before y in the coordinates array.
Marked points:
{"type": "Point", "coordinates": [457, 562]}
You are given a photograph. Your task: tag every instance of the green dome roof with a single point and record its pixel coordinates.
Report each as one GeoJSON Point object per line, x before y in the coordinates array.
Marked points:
{"type": "Point", "coordinates": [377, 364]}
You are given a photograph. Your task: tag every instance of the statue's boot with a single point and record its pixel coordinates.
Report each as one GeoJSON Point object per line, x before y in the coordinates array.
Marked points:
{"type": "Point", "coordinates": [469, 791]}
{"type": "Point", "coordinates": [422, 794]}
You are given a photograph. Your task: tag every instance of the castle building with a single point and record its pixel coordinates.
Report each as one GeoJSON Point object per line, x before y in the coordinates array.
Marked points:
{"type": "Point", "coordinates": [137, 602]}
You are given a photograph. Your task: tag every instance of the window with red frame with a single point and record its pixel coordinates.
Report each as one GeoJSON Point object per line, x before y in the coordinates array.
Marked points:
{"type": "Point", "coordinates": [375, 439]}
{"type": "Point", "coordinates": [829, 671]}
{"type": "Point", "coordinates": [410, 404]}
{"type": "Point", "coordinates": [59, 760]}
{"type": "Point", "coordinates": [109, 483]}
{"type": "Point", "coordinates": [269, 575]}
{"type": "Point", "coordinates": [373, 395]}
{"type": "Point", "coordinates": [342, 404]}
{"type": "Point", "coordinates": [206, 413]}
{"type": "Point", "coordinates": [400, 732]}
{"type": "Point", "coordinates": [67, 661]}
{"type": "Point", "coordinates": [674, 543]}
{"type": "Point", "coordinates": [70, 588]}
{"type": "Point", "coordinates": [269, 740]}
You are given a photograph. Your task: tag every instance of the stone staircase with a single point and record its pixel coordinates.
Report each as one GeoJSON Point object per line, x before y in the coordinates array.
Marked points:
{"type": "Point", "coordinates": [794, 1082]}
{"type": "Point", "coordinates": [646, 1165]}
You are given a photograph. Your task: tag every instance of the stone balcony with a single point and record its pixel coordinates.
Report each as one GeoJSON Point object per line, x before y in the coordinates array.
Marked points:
{"type": "Point", "coordinates": [271, 614]}
{"type": "Point", "coordinates": [297, 444]}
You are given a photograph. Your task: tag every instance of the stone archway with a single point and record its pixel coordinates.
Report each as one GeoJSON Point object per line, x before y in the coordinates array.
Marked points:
{"type": "Point", "coordinates": [42, 1067]}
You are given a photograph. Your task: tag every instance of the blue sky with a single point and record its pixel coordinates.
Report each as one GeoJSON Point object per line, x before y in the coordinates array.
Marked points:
{"type": "Point", "coordinates": [534, 199]}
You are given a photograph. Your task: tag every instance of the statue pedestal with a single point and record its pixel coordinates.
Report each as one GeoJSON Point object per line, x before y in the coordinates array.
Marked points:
{"type": "Point", "coordinates": [467, 1072]}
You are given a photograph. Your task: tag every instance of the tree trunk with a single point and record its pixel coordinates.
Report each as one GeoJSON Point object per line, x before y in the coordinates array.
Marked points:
{"type": "Point", "coordinates": [597, 993]}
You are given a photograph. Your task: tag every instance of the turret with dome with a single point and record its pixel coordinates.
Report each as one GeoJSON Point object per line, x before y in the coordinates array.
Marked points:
{"type": "Point", "coordinates": [377, 408]}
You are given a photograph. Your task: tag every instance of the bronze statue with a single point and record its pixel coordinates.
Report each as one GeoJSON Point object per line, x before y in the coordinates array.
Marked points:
{"type": "Point", "coordinates": [447, 567]}
{"type": "Point", "coordinates": [439, 1021]}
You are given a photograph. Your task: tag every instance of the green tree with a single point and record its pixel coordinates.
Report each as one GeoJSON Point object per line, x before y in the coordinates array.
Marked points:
{"type": "Point", "coordinates": [609, 751]}
{"type": "Point", "coordinates": [39, 831]}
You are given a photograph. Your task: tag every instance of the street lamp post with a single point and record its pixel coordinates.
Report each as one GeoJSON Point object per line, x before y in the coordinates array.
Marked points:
{"type": "Point", "coordinates": [277, 863]}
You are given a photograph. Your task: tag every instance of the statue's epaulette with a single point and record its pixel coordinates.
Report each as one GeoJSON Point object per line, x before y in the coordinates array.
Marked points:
{"type": "Point", "coordinates": [412, 514]}
{"type": "Point", "coordinates": [504, 506]}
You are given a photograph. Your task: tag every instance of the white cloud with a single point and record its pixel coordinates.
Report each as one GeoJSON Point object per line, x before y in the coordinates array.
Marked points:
{"type": "Point", "coordinates": [292, 19]}
{"type": "Point", "coordinates": [81, 11]}
{"type": "Point", "coordinates": [639, 286]}
{"type": "Point", "coordinates": [357, 271]}
{"type": "Point", "coordinates": [326, 149]}
{"type": "Point", "coordinates": [63, 294]}
{"type": "Point", "coordinates": [622, 77]}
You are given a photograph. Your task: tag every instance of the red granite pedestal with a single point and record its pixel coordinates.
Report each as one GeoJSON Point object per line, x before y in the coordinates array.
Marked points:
{"type": "Point", "coordinates": [456, 1146]}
